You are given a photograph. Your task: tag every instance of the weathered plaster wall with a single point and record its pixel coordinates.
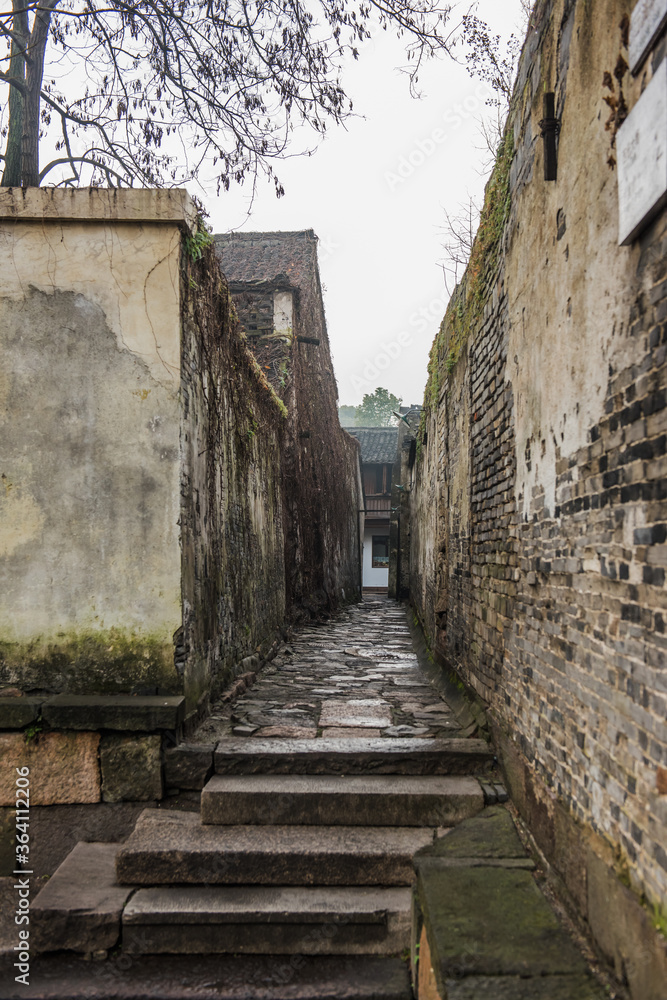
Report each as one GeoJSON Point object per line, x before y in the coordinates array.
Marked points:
{"type": "Point", "coordinates": [538, 510]}
{"type": "Point", "coordinates": [233, 435]}
{"type": "Point", "coordinates": [90, 338]}
{"type": "Point", "coordinates": [323, 490]}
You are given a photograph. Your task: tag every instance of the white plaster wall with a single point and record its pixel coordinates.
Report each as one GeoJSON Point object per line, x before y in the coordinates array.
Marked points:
{"type": "Point", "coordinates": [283, 314]}
{"type": "Point", "coordinates": [89, 429]}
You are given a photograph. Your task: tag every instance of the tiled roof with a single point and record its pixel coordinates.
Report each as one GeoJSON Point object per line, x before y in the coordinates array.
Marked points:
{"type": "Point", "coordinates": [378, 444]}
{"type": "Point", "coordinates": [247, 257]}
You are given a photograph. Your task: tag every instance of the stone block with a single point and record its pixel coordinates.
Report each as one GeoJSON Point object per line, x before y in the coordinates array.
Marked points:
{"type": "Point", "coordinates": [492, 921]}
{"type": "Point", "coordinates": [188, 766]}
{"type": "Point", "coordinates": [131, 768]}
{"type": "Point", "coordinates": [368, 800]}
{"type": "Point", "coordinates": [491, 834]}
{"type": "Point", "coordinates": [141, 713]}
{"type": "Point", "coordinates": [581, 987]}
{"type": "Point", "coordinates": [624, 933]}
{"type": "Point", "coordinates": [168, 847]}
{"type": "Point", "coordinates": [369, 713]}
{"type": "Point", "coordinates": [79, 909]}
{"type": "Point", "coordinates": [55, 830]}
{"type": "Point", "coordinates": [15, 713]}
{"type": "Point", "coordinates": [226, 977]}
{"type": "Point", "coordinates": [63, 767]}
{"type": "Point", "coordinates": [278, 920]}
{"type": "Point", "coordinates": [351, 756]}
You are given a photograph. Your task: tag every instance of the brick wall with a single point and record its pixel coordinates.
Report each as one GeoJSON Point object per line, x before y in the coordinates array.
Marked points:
{"type": "Point", "coordinates": [538, 500]}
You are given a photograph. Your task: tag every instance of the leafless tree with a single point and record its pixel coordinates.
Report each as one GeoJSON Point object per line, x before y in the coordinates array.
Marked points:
{"type": "Point", "coordinates": [146, 92]}
{"type": "Point", "coordinates": [458, 235]}
{"type": "Point", "coordinates": [495, 62]}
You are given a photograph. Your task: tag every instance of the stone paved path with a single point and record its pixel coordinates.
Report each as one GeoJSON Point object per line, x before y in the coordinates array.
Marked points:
{"type": "Point", "coordinates": [357, 675]}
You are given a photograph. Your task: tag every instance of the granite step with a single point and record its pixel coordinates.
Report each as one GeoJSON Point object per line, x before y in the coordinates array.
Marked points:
{"type": "Point", "coordinates": [79, 908]}
{"type": "Point", "coordinates": [271, 921]}
{"type": "Point", "coordinates": [360, 800]}
{"type": "Point", "coordinates": [173, 847]}
{"type": "Point", "coordinates": [354, 755]}
{"type": "Point", "coordinates": [218, 977]}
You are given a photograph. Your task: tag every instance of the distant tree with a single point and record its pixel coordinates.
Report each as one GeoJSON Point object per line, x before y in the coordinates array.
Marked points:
{"type": "Point", "coordinates": [146, 91]}
{"type": "Point", "coordinates": [376, 409]}
{"type": "Point", "coordinates": [346, 415]}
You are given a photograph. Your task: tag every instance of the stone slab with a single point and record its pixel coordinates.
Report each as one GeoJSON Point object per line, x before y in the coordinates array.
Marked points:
{"type": "Point", "coordinates": [357, 712]}
{"type": "Point", "coordinates": [648, 20]}
{"type": "Point", "coordinates": [63, 767]}
{"type": "Point", "coordinates": [641, 146]}
{"type": "Point", "coordinates": [353, 756]}
{"type": "Point", "coordinates": [491, 921]}
{"type": "Point", "coordinates": [491, 834]}
{"type": "Point", "coordinates": [279, 920]}
{"type": "Point", "coordinates": [267, 939]}
{"type": "Point", "coordinates": [260, 905]}
{"type": "Point", "coordinates": [287, 733]}
{"type": "Point", "coordinates": [188, 766]}
{"type": "Point", "coordinates": [15, 713]}
{"type": "Point", "coordinates": [80, 907]}
{"type": "Point", "coordinates": [372, 800]}
{"type": "Point", "coordinates": [176, 848]}
{"type": "Point", "coordinates": [225, 977]}
{"type": "Point", "coordinates": [332, 733]}
{"type": "Point", "coordinates": [99, 204]}
{"type": "Point", "coordinates": [131, 768]}
{"type": "Point", "coordinates": [582, 987]}
{"type": "Point", "coordinates": [141, 713]}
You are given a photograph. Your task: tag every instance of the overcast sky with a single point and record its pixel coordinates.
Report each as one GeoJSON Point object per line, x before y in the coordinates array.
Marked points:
{"type": "Point", "coordinates": [375, 193]}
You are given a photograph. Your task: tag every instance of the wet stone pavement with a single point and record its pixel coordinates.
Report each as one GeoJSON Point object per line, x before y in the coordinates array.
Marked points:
{"type": "Point", "coordinates": [356, 675]}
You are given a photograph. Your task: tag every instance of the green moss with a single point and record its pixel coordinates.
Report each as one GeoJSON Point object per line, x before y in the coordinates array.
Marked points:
{"type": "Point", "coordinates": [659, 919]}
{"type": "Point", "coordinates": [467, 303]}
{"type": "Point", "coordinates": [112, 661]}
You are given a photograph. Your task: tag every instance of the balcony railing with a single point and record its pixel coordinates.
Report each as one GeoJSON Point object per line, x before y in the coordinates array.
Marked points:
{"type": "Point", "coordinates": [378, 506]}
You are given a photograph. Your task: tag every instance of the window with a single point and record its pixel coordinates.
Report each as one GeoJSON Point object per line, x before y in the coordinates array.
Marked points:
{"type": "Point", "coordinates": [380, 552]}
{"type": "Point", "coordinates": [377, 479]}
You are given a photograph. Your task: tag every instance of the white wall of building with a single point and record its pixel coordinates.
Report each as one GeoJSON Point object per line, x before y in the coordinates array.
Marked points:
{"type": "Point", "coordinates": [373, 577]}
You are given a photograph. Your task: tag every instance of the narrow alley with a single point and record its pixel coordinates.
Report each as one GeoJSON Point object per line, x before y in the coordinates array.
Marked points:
{"type": "Point", "coordinates": [357, 675]}
{"type": "Point", "coordinates": [336, 793]}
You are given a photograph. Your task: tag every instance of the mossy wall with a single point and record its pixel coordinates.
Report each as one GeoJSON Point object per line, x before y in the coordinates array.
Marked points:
{"type": "Point", "coordinates": [538, 505]}
{"type": "Point", "coordinates": [233, 433]}
{"type": "Point", "coordinates": [89, 423]}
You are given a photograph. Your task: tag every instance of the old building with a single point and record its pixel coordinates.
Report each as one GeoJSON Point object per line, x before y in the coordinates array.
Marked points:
{"type": "Point", "coordinates": [275, 284]}
{"type": "Point", "coordinates": [378, 454]}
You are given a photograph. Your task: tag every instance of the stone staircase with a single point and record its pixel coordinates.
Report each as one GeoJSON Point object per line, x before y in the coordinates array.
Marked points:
{"type": "Point", "coordinates": [297, 850]}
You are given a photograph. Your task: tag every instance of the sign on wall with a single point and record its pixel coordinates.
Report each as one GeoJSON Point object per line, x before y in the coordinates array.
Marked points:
{"type": "Point", "coordinates": [642, 159]}
{"type": "Point", "coordinates": [649, 18]}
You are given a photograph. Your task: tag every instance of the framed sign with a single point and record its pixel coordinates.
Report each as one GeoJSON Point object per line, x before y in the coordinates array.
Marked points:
{"type": "Point", "coordinates": [649, 18]}
{"type": "Point", "coordinates": [641, 145]}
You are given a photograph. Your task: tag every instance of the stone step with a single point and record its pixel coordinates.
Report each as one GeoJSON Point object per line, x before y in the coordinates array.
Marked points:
{"type": "Point", "coordinates": [172, 847]}
{"type": "Point", "coordinates": [218, 977]}
{"type": "Point", "coordinates": [355, 755]}
{"type": "Point", "coordinates": [270, 921]}
{"type": "Point", "coordinates": [363, 800]}
{"type": "Point", "coordinates": [79, 908]}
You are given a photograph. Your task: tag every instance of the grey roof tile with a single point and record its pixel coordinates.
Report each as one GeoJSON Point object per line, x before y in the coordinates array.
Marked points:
{"type": "Point", "coordinates": [250, 257]}
{"type": "Point", "coordinates": [378, 444]}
